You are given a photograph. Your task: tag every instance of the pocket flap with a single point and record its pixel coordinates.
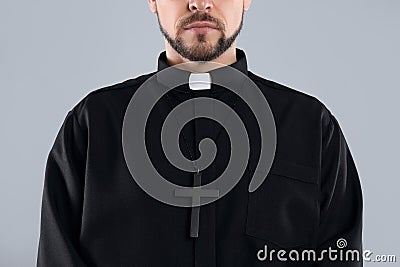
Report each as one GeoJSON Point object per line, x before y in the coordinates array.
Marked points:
{"type": "Point", "coordinates": [295, 171]}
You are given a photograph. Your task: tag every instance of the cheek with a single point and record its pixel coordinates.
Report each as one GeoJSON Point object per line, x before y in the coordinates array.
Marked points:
{"type": "Point", "coordinates": [232, 24]}
{"type": "Point", "coordinates": [231, 12]}
{"type": "Point", "coordinates": [169, 13]}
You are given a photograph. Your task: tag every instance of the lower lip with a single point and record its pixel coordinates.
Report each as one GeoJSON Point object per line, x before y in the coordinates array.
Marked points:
{"type": "Point", "coordinates": [201, 30]}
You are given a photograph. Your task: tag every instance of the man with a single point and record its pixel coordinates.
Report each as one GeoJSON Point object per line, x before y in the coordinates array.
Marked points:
{"type": "Point", "coordinates": [95, 214]}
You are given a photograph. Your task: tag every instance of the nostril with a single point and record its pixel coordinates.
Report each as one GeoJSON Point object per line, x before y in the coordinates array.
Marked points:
{"type": "Point", "coordinates": [203, 6]}
{"type": "Point", "coordinates": [192, 8]}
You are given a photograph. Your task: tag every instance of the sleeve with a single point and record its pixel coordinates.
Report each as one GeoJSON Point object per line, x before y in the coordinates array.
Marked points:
{"type": "Point", "coordinates": [62, 198]}
{"type": "Point", "coordinates": [340, 202]}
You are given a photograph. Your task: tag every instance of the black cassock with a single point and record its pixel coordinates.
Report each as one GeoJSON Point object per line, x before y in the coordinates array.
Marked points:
{"type": "Point", "coordinates": [95, 214]}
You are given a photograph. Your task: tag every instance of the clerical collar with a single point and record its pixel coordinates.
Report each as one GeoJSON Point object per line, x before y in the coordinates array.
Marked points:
{"type": "Point", "coordinates": [240, 64]}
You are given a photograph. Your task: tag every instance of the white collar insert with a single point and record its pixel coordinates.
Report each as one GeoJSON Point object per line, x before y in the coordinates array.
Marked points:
{"type": "Point", "coordinates": [200, 81]}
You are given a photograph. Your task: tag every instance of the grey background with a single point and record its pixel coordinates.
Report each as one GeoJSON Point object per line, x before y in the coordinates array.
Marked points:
{"type": "Point", "coordinates": [52, 53]}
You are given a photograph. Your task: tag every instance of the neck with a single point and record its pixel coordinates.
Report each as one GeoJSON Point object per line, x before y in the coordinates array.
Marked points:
{"type": "Point", "coordinates": [227, 58]}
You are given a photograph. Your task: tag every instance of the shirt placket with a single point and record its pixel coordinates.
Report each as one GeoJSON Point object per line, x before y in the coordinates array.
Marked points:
{"type": "Point", "coordinates": [204, 243]}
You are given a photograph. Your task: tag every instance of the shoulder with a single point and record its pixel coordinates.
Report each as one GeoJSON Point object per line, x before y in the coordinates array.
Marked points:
{"type": "Point", "coordinates": [287, 98]}
{"type": "Point", "coordinates": [114, 94]}
{"type": "Point", "coordinates": [285, 92]}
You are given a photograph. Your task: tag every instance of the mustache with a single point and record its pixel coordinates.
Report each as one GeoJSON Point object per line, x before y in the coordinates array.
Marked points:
{"type": "Point", "coordinates": [201, 16]}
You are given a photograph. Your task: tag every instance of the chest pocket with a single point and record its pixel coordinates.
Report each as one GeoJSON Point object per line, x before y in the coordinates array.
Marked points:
{"type": "Point", "coordinates": [284, 210]}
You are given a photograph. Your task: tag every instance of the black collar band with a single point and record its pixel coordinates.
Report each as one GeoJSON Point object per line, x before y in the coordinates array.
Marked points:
{"type": "Point", "coordinates": [240, 64]}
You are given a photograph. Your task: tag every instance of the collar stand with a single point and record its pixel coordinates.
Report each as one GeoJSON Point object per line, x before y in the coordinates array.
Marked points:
{"type": "Point", "coordinates": [240, 64]}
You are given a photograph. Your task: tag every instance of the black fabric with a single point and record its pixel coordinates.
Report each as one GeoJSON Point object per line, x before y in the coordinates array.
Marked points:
{"type": "Point", "coordinates": [195, 217]}
{"type": "Point", "coordinates": [94, 214]}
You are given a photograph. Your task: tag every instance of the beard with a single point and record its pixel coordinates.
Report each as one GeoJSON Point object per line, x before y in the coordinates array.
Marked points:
{"type": "Point", "coordinates": [202, 50]}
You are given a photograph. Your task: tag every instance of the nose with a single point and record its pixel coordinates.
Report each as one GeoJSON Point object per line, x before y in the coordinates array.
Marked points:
{"type": "Point", "coordinates": [200, 5]}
